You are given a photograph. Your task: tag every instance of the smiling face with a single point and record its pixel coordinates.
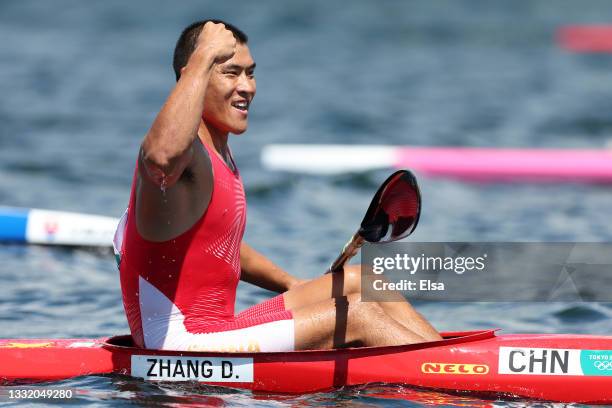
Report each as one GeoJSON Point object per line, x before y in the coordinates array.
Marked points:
{"type": "Point", "coordinates": [231, 88]}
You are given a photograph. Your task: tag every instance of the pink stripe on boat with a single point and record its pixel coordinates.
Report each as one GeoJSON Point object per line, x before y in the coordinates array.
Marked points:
{"type": "Point", "coordinates": [499, 164]}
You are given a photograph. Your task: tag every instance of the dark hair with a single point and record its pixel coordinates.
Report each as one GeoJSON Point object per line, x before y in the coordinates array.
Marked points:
{"type": "Point", "coordinates": [188, 40]}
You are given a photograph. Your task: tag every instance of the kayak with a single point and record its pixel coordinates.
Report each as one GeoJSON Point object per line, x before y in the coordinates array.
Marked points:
{"type": "Point", "coordinates": [46, 227]}
{"type": "Point", "coordinates": [552, 367]}
{"type": "Point", "coordinates": [471, 164]}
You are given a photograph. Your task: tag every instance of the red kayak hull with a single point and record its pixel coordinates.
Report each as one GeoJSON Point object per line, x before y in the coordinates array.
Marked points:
{"type": "Point", "coordinates": [564, 368]}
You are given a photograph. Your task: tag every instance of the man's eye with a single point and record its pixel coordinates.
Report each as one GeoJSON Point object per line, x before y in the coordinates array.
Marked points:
{"type": "Point", "coordinates": [231, 73]}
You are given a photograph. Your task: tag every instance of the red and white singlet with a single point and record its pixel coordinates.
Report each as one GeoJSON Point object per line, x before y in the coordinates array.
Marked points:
{"type": "Point", "coordinates": [179, 294]}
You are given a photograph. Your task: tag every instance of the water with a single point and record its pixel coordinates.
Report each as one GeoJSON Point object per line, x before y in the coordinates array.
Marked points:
{"type": "Point", "coordinates": [82, 83]}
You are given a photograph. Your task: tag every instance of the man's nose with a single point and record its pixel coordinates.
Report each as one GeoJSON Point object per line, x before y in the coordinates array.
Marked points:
{"type": "Point", "coordinates": [245, 84]}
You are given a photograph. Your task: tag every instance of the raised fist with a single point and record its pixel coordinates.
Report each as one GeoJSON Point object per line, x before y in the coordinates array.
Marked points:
{"type": "Point", "coordinates": [218, 41]}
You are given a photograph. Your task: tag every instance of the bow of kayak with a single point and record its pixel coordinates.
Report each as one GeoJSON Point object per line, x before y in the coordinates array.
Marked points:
{"type": "Point", "coordinates": [565, 368]}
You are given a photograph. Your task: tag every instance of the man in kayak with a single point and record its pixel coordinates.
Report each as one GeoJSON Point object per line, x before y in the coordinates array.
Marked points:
{"type": "Point", "coordinates": [180, 244]}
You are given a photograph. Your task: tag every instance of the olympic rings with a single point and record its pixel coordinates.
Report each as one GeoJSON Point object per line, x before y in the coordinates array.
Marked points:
{"type": "Point", "coordinates": [603, 365]}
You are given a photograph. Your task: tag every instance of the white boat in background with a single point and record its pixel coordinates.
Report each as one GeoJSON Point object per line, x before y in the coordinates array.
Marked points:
{"type": "Point", "coordinates": [46, 227]}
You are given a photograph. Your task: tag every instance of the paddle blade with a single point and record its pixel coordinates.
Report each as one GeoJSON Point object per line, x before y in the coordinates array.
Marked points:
{"type": "Point", "coordinates": [394, 211]}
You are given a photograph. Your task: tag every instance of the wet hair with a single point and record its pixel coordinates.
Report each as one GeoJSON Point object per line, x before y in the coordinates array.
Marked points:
{"type": "Point", "coordinates": [188, 40]}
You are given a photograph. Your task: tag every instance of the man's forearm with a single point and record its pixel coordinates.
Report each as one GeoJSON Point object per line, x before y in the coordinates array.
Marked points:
{"type": "Point", "coordinates": [260, 271]}
{"type": "Point", "coordinates": [166, 147]}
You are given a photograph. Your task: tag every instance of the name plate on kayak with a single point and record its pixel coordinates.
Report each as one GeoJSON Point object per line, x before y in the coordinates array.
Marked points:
{"type": "Point", "coordinates": [201, 369]}
{"type": "Point", "coordinates": [551, 361]}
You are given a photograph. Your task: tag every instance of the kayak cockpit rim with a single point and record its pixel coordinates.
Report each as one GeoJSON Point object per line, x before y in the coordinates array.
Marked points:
{"type": "Point", "coordinates": [125, 343]}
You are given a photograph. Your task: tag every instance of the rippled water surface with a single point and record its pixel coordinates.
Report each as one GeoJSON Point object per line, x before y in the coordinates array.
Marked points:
{"type": "Point", "coordinates": [82, 82]}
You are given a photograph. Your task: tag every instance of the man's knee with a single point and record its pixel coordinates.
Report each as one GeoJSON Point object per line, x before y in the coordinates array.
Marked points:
{"type": "Point", "coordinates": [353, 298]}
{"type": "Point", "coordinates": [352, 279]}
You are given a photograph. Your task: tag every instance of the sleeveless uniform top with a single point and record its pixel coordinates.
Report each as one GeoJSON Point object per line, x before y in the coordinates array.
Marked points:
{"type": "Point", "coordinates": [187, 284]}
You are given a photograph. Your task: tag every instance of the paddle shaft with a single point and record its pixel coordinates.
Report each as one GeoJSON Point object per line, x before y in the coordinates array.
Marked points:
{"type": "Point", "coordinates": [350, 250]}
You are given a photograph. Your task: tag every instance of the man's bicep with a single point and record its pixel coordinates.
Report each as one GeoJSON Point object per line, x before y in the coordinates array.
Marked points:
{"type": "Point", "coordinates": [165, 211]}
{"type": "Point", "coordinates": [163, 174]}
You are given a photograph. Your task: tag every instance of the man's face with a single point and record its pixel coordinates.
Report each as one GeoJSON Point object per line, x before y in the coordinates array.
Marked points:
{"type": "Point", "coordinates": [231, 88]}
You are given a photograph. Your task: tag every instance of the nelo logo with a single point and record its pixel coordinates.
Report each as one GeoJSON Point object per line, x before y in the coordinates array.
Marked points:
{"type": "Point", "coordinates": [454, 368]}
